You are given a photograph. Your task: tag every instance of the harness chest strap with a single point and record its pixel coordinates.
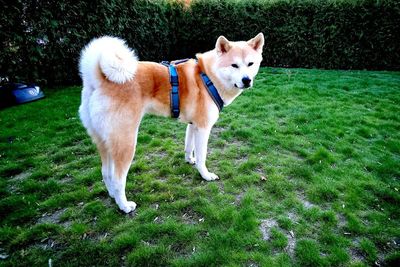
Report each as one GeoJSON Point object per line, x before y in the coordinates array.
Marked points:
{"type": "Point", "coordinates": [174, 80]}
{"type": "Point", "coordinates": [174, 95]}
{"type": "Point", "coordinates": [212, 91]}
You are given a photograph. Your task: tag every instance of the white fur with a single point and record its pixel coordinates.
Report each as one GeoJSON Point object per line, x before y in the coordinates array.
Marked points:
{"type": "Point", "coordinates": [196, 141]}
{"type": "Point", "coordinates": [116, 60]}
{"type": "Point", "coordinates": [232, 77]}
{"type": "Point", "coordinates": [117, 185]}
{"type": "Point", "coordinates": [201, 136]}
{"type": "Point", "coordinates": [118, 63]}
{"type": "Point", "coordinates": [189, 144]}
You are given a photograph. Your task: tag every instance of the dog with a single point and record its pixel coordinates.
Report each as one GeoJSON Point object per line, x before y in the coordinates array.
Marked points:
{"type": "Point", "coordinates": [118, 90]}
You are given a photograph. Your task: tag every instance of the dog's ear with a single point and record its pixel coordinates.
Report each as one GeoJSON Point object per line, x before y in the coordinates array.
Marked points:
{"type": "Point", "coordinates": [257, 42]}
{"type": "Point", "coordinates": [222, 45]}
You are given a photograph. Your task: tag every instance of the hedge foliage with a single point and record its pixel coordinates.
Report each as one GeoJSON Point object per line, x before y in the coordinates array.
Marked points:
{"type": "Point", "coordinates": [41, 39]}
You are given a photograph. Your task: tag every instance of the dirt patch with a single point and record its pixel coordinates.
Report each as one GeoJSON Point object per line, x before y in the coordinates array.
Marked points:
{"type": "Point", "coordinates": [221, 187]}
{"type": "Point", "coordinates": [307, 204]}
{"type": "Point", "coordinates": [215, 131]}
{"type": "Point", "coordinates": [240, 160]}
{"type": "Point", "coordinates": [47, 243]}
{"type": "Point", "coordinates": [260, 172]}
{"type": "Point", "coordinates": [162, 179]}
{"type": "Point", "coordinates": [108, 201]}
{"type": "Point", "coordinates": [231, 144]}
{"type": "Point", "coordinates": [266, 226]}
{"type": "Point", "coordinates": [238, 198]}
{"type": "Point", "coordinates": [66, 179]}
{"type": "Point", "coordinates": [292, 216]}
{"type": "Point", "coordinates": [291, 243]}
{"type": "Point", "coordinates": [236, 143]}
{"type": "Point", "coordinates": [54, 218]}
{"type": "Point", "coordinates": [159, 219]}
{"type": "Point", "coordinates": [155, 155]}
{"type": "Point", "coordinates": [189, 216]}
{"type": "Point", "coordinates": [21, 176]}
{"type": "Point", "coordinates": [290, 235]}
{"type": "Point", "coordinates": [342, 220]}
{"type": "Point", "coordinates": [356, 255]}
{"type": "Point", "coordinates": [155, 206]}
{"type": "Point", "coordinates": [252, 264]}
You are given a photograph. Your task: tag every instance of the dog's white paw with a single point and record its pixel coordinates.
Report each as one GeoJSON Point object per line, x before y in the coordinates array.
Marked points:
{"type": "Point", "coordinates": [210, 177]}
{"type": "Point", "coordinates": [127, 207]}
{"type": "Point", "coordinates": [190, 160]}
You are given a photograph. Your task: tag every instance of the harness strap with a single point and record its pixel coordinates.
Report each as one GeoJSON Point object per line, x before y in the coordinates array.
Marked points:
{"type": "Point", "coordinates": [174, 96]}
{"type": "Point", "coordinates": [212, 91]}
{"type": "Point", "coordinates": [174, 91]}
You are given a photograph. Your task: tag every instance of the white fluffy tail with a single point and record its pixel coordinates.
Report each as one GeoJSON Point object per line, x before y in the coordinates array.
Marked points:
{"type": "Point", "coordinates": [116, 60]}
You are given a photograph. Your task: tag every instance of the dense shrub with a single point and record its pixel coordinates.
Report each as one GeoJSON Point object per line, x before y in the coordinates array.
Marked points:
{"type": "Point", "coordinates": [41, 39]}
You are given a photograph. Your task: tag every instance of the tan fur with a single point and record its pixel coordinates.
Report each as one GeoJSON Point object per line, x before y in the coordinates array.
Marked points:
{"type": "Point", "coordinates": [149, 92]}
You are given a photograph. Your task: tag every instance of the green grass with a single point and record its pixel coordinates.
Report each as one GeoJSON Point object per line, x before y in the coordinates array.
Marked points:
{"type": "Point", "coordinates": [314, 153]}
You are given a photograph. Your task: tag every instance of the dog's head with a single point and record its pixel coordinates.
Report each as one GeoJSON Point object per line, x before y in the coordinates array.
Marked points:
{"type": "Point", "coordinates": [238, 62]}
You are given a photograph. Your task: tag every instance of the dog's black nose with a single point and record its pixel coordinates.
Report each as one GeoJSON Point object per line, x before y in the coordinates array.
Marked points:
{"type": "Point", "coordinates": [246, 81]}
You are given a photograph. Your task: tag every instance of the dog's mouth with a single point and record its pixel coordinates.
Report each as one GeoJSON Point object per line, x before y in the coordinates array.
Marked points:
{"type": "Point", "coordinates": [243, 86]}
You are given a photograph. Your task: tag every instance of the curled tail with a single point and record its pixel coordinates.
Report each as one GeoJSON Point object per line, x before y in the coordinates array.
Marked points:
{"type": "Point", "coordinates": [116, 60]}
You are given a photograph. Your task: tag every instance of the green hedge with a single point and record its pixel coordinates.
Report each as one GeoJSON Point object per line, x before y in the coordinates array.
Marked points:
{"type": "Point", "coordinates": [41, 40]}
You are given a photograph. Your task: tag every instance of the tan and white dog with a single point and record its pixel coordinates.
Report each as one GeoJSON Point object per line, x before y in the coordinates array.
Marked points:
{"type": "Point", "coordinates": [118, 90]}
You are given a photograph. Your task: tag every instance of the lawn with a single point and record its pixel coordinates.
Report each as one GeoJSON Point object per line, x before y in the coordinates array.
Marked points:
{"type": "Point", "coordinates": [309, 166]}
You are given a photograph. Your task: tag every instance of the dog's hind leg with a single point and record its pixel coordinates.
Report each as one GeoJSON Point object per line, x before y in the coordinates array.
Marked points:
{"type": "Point", "coordinates": [189, 144]}
{"type": "Point", "coordinates": [106, 167]}
{"type": "Point", "coordinates": [121, 151]}
{"type": "Point", "coordinates": [106, 164]}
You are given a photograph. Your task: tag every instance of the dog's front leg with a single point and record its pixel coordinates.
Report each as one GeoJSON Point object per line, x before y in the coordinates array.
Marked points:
{"type": "Point", "coordinates": [200, 142]}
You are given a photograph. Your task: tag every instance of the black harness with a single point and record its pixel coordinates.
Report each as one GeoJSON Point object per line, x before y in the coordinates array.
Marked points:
{"type": "Point", "coordinates": [174, 80]}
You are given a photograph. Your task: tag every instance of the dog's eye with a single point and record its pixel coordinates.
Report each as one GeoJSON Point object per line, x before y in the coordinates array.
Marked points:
{"type": "Point", "coordinates": [251, 63]}
{"type": "Point", "coordinates": [235, 66]}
